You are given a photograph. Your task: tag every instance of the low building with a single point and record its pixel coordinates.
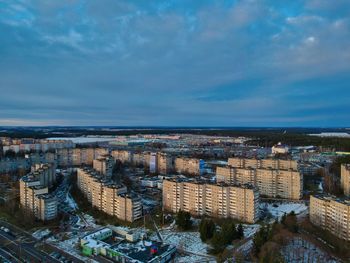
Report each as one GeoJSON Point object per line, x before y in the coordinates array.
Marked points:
{"type": "Point", "coordinates": [280, 149]}
{"type": "Point", "coordinates": [101, 243]}
{"type": "Point", "coordinates": [332, 214]}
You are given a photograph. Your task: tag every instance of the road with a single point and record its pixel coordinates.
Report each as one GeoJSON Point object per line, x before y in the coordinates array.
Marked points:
{"type": "Point", "coordinates": [24, 245]}
{"type": "Point", "coordinates": [22, 250]}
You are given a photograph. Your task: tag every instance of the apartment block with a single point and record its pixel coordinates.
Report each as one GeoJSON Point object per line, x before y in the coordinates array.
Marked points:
{"type": "Point", "coordinates": [46, 172]}
{"type": "Point", "coordinates": [270, 183]}
{"type": "Point", "coordinates": [45, 207]}
{"type": "Point", "coordinates": [79, 156]}
{"type": "Point", "coordinates": [122, 156]}
{"type": "Point", "coordinates": [139, 159]}
{"type": "Point", "coordinates": [104, 164]}
{"type": "Point", "coordinates": [217, 200]}
{"type": "Point", "coordinates": [192, 166]}
{"type": "Point", "coordinates": [108, 197]}
{"type": "Point", "coordinates": [276, 164]}
{"type": "Point", "coordinates": [164, 163]}
{"type": "Point", "coordinates": [332, 214]}
{"type": "Point", "coordinates": [345, 178]}
{"type": "Point", "coordinates": [34, 192]}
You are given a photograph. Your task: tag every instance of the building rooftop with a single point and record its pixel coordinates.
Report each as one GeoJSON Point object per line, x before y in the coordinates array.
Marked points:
{"type": "Point", "coordinates": [328, 197]}
{"type": "Point", "coordinates": [203, 181]}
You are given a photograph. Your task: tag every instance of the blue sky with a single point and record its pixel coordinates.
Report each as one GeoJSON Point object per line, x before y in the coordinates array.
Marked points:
{"type": "Point", "coordinates": [175, 63]}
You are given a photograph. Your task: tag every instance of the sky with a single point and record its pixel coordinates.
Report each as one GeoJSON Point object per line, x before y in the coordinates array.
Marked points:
{"type": "Point", "coordinates": [175, 63]}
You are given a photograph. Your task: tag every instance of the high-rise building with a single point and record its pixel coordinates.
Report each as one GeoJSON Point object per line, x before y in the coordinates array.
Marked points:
{"type": "Point", "coordinates": [345, 178]}
{"type": "Point", "coordinates": [108, 197]}
{"type": "Point", "coordinates": [191, 166]}
{"type": "Point", "coordinates": [332, 214]}
{"type": "Point", "coordinates": [34, 196]}
{"type": "Point", "coordinates": [104, 164]}
{"type": "Point", "coordinates": [164, 163]}
{"type": "Point", "coordinates": [270, 183]}
{"type": "Point", "coordinates": [122, 156]}
{"type": "Point", "coordinates": [275, 164]}
{"type": "Point", "coordinates": [218, 200]}
{"type": "Point", "coordinates": [45, 207]}
{"type": "Point", "coordinates": [153, 162]}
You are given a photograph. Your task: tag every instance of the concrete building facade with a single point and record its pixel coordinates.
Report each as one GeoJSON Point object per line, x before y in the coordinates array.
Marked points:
{"type": "Point", "coordinates": [187, 165]}
{"type": "Point", "coordinates": [332, 214]}
{"type": "Point", "coordinates": [345, 179]}
{"type": "Point", "coordinates": [108, 197]}
{"type": "Point", "coordinates": [104, 164]}
{"type": "Point", "coordinates": [270, 183]}
{"type": "Point", "coordinates": [276, 164]}
{"type": "Point", "coordinates": [34, 188]}
{"type": "Point", "coordinates": [217, 200]}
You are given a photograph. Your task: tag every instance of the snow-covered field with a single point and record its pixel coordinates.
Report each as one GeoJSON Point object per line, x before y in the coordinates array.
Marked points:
{"type": "Point", "coordinates": [300, 250]}
{"type": "Point", "coordinates": [283, 208]}
{"type": "Point", "coordinates": [189, 242]}
{"type": "Point", "coordinates": [332, 134]}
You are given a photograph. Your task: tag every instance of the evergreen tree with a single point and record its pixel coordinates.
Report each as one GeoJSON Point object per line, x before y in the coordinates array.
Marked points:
{"type": "Point", "coordinates": [240, 231]}
{"type": "Point", "coordinates": [206, 229]}
{"type": "Point", "coordinates": [183, 220]}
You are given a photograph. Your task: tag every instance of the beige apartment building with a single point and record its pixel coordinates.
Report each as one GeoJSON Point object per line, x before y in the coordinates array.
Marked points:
{"type": "Point", "coordinates": [45, 207]}
{"type": "Point", "coordinates": [108, 197]}
{"type": "Point", "coordinates": [46, 172]}
{"type": "Point", "coordinates": [104, 164]}
{"type": "Point", "coordinates": [34, 192]}
{"type": "Point", "coordinates": [217, 200]}
{"type": "Point", "coordinates": [345, 178]}
{"type": "Point", "coordinates": [275, 164]}
{"type": "Point", "coordinates": [79, 156]}
{"type": "Point", "coordinates": [164, 163]}
{"type": "Point", "coordinates": [122, 156]}
{"type": "Point", "coordinates": [187, 165]}
{"type": "Point", "coordinates": [270, 183]}
{"type": "Point", "coordinates": [332, 214]}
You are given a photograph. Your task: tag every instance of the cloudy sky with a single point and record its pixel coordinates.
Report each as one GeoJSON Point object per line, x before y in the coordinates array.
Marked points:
{"type": "Point", "coordinates": [188, 63]}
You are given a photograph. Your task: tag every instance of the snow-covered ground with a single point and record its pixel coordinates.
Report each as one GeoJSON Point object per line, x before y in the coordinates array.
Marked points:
{"type": "Point", "coordinates": [190, 242]}
{"type": "Point", "coordinates": [332, 134]}
{"type": "Point", "coordinates": [283, 208]}
{"type": "Point", "coordinates": [70, 201]}
{"type": "Point", "coordinates": [300, 250]}
{"type": "Point", "coordinates": [41, 233]}
{"type": "Point", "coordinates": [250, 230]}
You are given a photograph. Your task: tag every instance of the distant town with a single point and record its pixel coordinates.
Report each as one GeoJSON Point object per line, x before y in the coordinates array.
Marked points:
{"type": "Point", "coordinates": [173, 197]}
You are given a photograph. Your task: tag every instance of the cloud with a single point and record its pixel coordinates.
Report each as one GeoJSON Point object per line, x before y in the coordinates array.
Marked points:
{"type": "Point", "coordinates": [222, 63]}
